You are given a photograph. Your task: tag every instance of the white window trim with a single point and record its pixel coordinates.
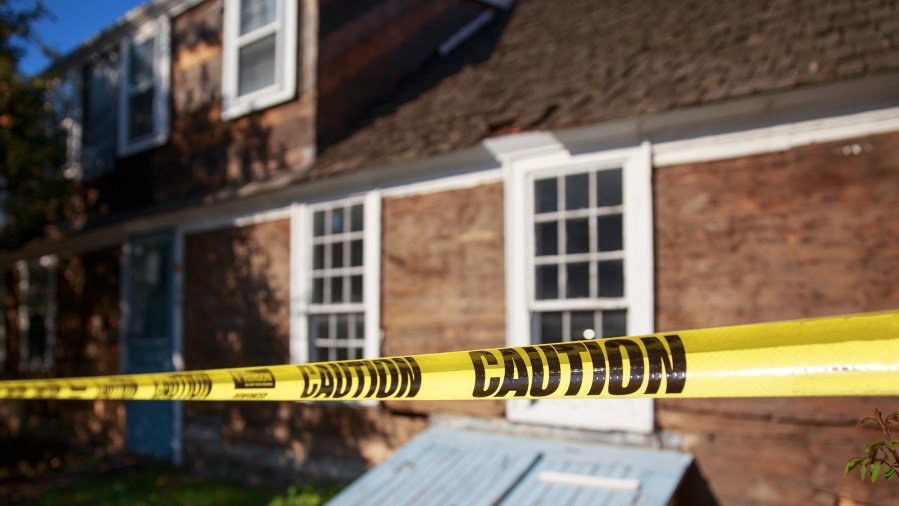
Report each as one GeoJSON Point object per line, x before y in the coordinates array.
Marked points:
{"type": "Point", "coordinates": [301, 275]}
{"type": "Point", "coordinates": [159, 31]}
{"type": "Point", "coordinates": [27, 362]}
{"type": "Point", "coordinates": [72, 124]}
{"type": "Point", "coordinates": [3, 332]}
{"type": "Point", "coordinates": [521, 163]}
{"type": "Point", "coordinates": [284, 88]}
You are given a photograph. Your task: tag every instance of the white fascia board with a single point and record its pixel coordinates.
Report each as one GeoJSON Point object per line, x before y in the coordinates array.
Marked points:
{"type": "Point", "coordinates": [777, 138]}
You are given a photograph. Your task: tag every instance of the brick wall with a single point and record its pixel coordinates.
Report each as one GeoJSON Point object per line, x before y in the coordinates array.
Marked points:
{"type": "Point", "coordinates": [444, 280]}
{"type": "Point", "coordinates": [367, 48]}
{"type": "Point", "coordinates": [808, 232]}
{"type": "Point", "coordinates": [87, 344]}
{"type": "Point", "coordinates": [236, 313]}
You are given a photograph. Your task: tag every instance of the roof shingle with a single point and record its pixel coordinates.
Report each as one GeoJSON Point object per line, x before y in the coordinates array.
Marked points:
{"type": "Point", "coordinates": [549, 65]}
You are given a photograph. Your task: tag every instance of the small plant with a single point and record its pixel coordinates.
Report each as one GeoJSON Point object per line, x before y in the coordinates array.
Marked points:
{"type": "Point", "coordinates": [881, 458]}
{"type": "Point", "coordinates": [306, 495]}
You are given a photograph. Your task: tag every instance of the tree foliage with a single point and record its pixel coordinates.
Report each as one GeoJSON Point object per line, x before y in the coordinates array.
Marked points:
{"type": "Point", "coordinates": [32, 144]}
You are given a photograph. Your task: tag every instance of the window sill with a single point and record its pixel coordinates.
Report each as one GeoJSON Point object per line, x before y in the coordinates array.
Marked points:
{"type": "Point", "coordinates": [256, 101]}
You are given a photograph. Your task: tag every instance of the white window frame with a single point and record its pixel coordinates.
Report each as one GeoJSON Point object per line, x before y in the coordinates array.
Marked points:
{"type": "Point", "coordinates": [284, 87]}
{"type": "Point", "coordinates": [157, 30]}
{"type": "Point", "coordinates": [520, 171]}
{"type": "Point", "coordinates": [27, 363]}
{"type": "Point", "coordinates": [4, 342]}
{"type": "Point", "coordinates": [301, 244]}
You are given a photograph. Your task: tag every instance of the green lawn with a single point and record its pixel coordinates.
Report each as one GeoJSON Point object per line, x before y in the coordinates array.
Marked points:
{"type": "Point", "coordinates": [165, 486]}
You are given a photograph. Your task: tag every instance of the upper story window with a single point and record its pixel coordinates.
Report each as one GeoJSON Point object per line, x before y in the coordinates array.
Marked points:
{"type": "Point", "coordinates": [260, 55]}
{"type": "Point", "coordinates": [120, 101]}
{"type": "Point", "coordinates": [143, 97]}
{"type": "Point", "coordinates": [37, 313]}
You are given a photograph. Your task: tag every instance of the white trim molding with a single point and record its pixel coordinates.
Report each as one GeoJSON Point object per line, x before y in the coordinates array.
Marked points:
{"type": "Point", "coordinates": [157, 33]}
{"type": "Point", "coordinates": [542, 155]}
{"type": "Point", "coordinates": [776, 138]}
{"type": "Point", "coordinates": [25, 269]}
{"type": "Point", "coordinates": [303, 240]}
{"type": "Point", "coordinates": [283, 88]}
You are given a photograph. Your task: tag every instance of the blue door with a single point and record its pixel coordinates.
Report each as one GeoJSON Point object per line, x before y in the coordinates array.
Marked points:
{"type": "Point", "coordinates": [149, 341]}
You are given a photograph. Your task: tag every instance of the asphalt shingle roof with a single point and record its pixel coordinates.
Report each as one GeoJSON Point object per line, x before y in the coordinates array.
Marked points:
{"type": "Point", "coordinates": [551, 64]}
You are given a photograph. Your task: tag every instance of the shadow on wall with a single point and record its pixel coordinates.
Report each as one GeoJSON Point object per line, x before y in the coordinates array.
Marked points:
{"type": "Point", "coordinates": [236, 313]}
{"type": "Point", "coordinates": [87, 344]}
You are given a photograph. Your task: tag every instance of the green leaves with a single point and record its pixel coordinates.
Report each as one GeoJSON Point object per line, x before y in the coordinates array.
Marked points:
{"type": "Point", "coordinates": [881, 458]}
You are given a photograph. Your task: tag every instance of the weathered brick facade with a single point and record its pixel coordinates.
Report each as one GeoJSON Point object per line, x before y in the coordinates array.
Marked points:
{"type": "Point", "coordinates": [808, 232]}
{"type": "Point", "coordinates": [237, 314]}
{"type": "Point", "coordinates": [443, 283]}
{"type": "Point", "coordinates": [87, 344]}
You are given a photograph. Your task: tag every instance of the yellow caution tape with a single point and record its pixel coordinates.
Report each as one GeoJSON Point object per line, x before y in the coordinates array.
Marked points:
{"type": "Point", "coordinates": [846, 355]}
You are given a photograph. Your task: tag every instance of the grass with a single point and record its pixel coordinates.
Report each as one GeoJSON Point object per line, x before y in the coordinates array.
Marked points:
{"type": "Point", "coordinates": [165, 486]}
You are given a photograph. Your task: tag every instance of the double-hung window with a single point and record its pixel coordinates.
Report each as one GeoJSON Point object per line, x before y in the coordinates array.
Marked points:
{"type": "Point", "coordinates": [37, 313]}
{"type": "Point", "coordinates": [336, 261]}
{"type": "Point", "coordinates": [143, 95]}
{"type": "Point", "coordinates": [579, 260]}
{"type": "Point", "coordinates": [260, 55]}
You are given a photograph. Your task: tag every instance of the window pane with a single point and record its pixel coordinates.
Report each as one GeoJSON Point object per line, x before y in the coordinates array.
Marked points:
{"type": "Point", "coordinates": [356, 220]}
{"type": "Point", "coordinates": [318, 325]}
{"type": "Point", "coordinates": [609, 231]}
{"type": "Point", "coordinates": [577, 236]}
{"type": "Point", "coordinates": [608, 187]}
{"type": "Point", "coordinates": [150, 281]}
{"type": "Point", "coordinates": [318, 223]}
{"type": "Point", "coordinates": [323, 354]}
{"type": "Point", "coordinates": [577, 191]}
{"type": "Point", "coordinates": [37, 336]}
{"type": "Point", "coordinates": [546, 238]}
{"type": "Point", "coordinates": [582, 325]}
{"type": "Point", "coordinates": [337, 255]}
{"type": "Point", "coordinates": [578, 284]}
{"type": "Point", "coordinates": [318, 290]}
{"type": "Point", "coordinates": [255, 14]}
{"type": "Point", "coordinates": [140, 65]}
{"type": "Point", "coordinates": [140, 114]}
{"type": "Point", "coordinates": [256, 65]}
{"type": "Point", "coordinates": [359, 322]}
{"type": "Point", "coordinates": [318, 256]}
{"type": "Point", "coordinates": [356, 253]}
{"type": "Point", "coordinates": [337, 289]}
{"type": "Point", "coordinates": [341, 353]}
{"type": "Point", "coordinates": [100, 115]}
{"type": "Point", "coordinates": [546, 195]}
{"type": "Point", "coordinates": [611, 278]}
{"type": "Point", "coordinates": [550, 328]}
{"type": "Point", "coordinates": [614, 323]}
{"type": "Point", "coordinates": [547, 282]}
{"type": "Point", "coordinates": [343, 328]}
{"type": "Point", "coordinates": [355, 288]}
{"type": "Point", "coordinates": [337, 221]}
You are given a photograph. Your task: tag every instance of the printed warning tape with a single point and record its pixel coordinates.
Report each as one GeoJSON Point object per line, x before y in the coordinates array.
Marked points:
{"type": "Point", "coordinates": [846, 355]}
